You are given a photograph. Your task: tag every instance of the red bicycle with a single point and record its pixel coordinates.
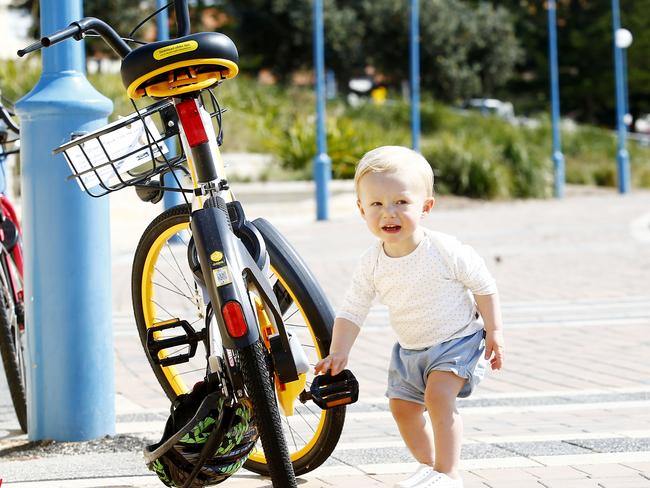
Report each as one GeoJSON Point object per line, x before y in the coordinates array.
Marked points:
{"type": "Point", "coordinates": [12, 311]}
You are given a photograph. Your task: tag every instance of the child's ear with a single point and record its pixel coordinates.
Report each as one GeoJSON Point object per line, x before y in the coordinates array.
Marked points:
{"type": "Point", "coordinates": [360, 208]}
{"type": "Point", "coordinates": [429, 203]}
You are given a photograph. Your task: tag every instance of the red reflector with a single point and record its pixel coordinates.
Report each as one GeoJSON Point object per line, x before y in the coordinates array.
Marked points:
{"type": "Point", "coordinates": [188, 112]}
{"type": "Point", "coordinates": [234, 318]}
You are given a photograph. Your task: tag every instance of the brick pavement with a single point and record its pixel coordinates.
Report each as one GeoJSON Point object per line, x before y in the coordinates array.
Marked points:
{"type": "Point", "coordinates": [573, 278]}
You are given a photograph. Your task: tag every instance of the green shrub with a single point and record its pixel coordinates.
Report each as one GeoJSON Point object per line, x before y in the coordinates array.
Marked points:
{"type": "Point", "coordinates": [487, 157]}
{"type": "Point", "coordinates": [294, 144]}
{"type": "Point", "coordinates": [17, 77]}
{"type": "Point", "coordinates": [471, 154]}
{"type": "Point", "coordinates": [464, 167]}
{"type": "Point", "coordinates": [642, 176]}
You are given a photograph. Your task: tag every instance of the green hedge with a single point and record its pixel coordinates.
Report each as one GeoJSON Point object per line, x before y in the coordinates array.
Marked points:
{"type": "Point", "coordinates": [471, 155]}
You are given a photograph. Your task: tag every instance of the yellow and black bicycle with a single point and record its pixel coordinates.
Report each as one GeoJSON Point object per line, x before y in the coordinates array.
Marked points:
{"type": "Point", "coordinates": [229, 316]}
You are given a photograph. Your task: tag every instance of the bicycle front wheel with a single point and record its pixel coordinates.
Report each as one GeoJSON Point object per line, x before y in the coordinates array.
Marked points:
{"type": "Point", "coordinates": [259, 384]}
{"type": "Point", "coordinates": [312, 433]}
{"type": "Point", "coordinates": [12, 337]}
{"type": "Point", "coordinates": [163, 289]}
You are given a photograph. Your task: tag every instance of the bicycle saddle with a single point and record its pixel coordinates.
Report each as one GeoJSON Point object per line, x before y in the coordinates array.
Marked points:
{"type": "Point", "coordinates": [181, 65]}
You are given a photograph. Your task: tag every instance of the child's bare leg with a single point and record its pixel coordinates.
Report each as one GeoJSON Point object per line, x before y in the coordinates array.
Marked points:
{"type": "Point", "coordinates": [412, 427]}
{"type": "Point", "coordinates": [440, 398]}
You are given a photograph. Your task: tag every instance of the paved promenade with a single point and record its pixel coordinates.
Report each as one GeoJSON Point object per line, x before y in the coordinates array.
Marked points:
{"type": "Point", "coordinates": [571, 409]}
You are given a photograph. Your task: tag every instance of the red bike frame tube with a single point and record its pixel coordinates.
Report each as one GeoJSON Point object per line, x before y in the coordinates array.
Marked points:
{"type": "Point", "coordinates": [17, 253]}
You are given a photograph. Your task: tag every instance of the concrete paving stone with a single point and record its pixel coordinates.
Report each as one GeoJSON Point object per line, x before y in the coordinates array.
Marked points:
{"type": "Point", "coordinates": [330, 482]}
{"type": "Point", "coordinates": [506, 483]}
{"type": "Point", "coordinates": [473, 484]}
{"type": "Point", "coordinates": [555, 472]}
{"type": "Point", "coordinates": [624, 482]}
{"type": "Point", "coordinates": [511, 474]}
{"type": "Point", "coordinates": [615, 445]}
{"type": "Point", "coordinates": [571, 483]}
{"type": "Point", "coordinates": [527, 449]}
{"type": "Point", "coordinates": [640, 466]}
{"type": "Point", "coordinates": [608, 470]}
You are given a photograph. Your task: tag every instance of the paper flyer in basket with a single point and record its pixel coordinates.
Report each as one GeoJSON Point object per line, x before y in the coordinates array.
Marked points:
{"type": "Point", "coordinates": [117, 144]}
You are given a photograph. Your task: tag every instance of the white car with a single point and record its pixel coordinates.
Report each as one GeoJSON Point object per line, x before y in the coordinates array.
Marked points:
{"type": "Point", "coordinates": [642, 124]}
{"type": "Point", "coordinates": [492, 106]}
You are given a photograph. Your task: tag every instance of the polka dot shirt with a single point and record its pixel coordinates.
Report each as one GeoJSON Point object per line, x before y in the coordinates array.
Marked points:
{"type": "Point", "coordinates": [428, 292]}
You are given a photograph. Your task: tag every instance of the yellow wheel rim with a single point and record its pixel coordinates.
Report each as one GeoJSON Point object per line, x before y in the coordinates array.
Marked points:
{"type": "Point", "coordinates": [149, 299]}
{"type": "Point", "coordinates": [257, 455]}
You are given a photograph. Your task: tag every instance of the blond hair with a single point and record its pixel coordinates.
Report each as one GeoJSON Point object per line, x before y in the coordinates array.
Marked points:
{"type": "Point", "coordinates": [389, 159]}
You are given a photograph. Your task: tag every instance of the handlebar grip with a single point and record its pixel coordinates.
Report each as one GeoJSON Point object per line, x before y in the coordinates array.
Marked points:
{"type": "Point", "coordinates": [61, 35]}
{"type": "Point", "coordinates": [72, 31]}
{"type": "Point", "coordinates": [32, 47]}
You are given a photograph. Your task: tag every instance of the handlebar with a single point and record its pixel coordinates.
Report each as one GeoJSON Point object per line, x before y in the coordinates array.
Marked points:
{"type": "Point", "coordinates": [6, 118]}
{"type": "Point", "coordinates": [72, 31]}
{"type": "Point", "coordinates": [79, 28]}
{"type": "Point", "coordinates": [32, 47]}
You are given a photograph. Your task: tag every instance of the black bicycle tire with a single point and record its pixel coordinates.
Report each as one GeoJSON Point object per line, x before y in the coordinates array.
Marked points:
{"type": "Point", "coordinates": [302, 283]}
{"type": "Point", "coordinates": [293, 270]}
{"type": "Point", "coordinates": [259, 385]}
{"type": "Point", "coordinates": [8, 350]}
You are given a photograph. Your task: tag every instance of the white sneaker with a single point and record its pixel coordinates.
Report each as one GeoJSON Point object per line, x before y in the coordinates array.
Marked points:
{"type": "Point", "coordinates": [420, 475]}
{"type": "Point", "coordinates": [439, 480]}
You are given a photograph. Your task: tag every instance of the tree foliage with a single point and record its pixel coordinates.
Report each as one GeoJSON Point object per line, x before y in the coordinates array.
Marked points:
{"type": "Point", "coordinates": [466, 50]}
{"type": "Point", "coordinates": [585, 51]}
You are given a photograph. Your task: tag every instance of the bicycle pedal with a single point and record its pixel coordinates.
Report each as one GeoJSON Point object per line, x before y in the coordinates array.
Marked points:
{"type": "Point", "coordinates": [329, 391]}
{"type": "Point", "coordinates": [189, 337]}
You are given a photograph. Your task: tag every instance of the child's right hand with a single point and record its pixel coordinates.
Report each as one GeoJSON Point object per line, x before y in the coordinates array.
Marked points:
{"type": "Point", "coordinates": [335, 363]}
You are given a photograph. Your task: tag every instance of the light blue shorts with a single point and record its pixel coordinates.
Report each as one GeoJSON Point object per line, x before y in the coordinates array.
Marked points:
{"type": "Point", "coordinates": [409, 368]}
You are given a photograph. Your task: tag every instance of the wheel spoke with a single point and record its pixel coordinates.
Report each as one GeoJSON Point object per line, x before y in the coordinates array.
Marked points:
{"type": "Point", "coordinates": [177, 292]}
{"type": "Point", "coordinates": [178, 267]}
{"type": "Point", "coordinates": [163, 309]}
{"type": "Point", "coordinates": [180, 292]}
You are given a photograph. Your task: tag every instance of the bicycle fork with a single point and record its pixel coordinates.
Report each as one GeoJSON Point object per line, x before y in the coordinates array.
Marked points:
{"type": "Point", "coordinates": [228, 270]}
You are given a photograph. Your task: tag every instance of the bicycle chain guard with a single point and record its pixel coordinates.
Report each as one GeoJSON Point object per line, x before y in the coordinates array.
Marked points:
{"type": "Point", "coordinates": [329, 391]}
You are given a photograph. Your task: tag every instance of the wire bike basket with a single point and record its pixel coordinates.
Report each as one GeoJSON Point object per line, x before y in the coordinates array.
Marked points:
{"type": "Point", "coordinates": [127, 152]}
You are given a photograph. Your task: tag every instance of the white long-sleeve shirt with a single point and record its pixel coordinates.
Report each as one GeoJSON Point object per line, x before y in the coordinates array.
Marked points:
{"type": "Point", "coordinates": [428, 292]}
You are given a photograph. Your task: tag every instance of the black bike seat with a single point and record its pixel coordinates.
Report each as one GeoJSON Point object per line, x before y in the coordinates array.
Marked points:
{"type": "Point", "coordinates": [185, 64]}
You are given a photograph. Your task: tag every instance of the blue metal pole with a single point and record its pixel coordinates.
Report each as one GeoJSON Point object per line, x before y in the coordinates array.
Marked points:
{"type": "Point", "coordinates": [415, 74]}
{"type": "Point", "coordinates": [162, 21]}
{"type": "Point", "coordinates": [626, 101]}
{"type": "Point", "coordinates": [70, 380]}
{"type": "Point", "coordinates": [622, 156]}
{"type": "Point", "coordinates": [556, 156]}
{"type": "Point", "coordinates": [170, 199]}
{"type": "Point", "coordinates": [322, 162]}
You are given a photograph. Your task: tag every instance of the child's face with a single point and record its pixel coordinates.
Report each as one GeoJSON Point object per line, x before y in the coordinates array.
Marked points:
{"type": "Point", "coordinates": [392, 204]}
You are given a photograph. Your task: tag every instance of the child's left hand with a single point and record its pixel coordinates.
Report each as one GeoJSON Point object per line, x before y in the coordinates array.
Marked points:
{"type": "Point", "coordinates": [494, 348]}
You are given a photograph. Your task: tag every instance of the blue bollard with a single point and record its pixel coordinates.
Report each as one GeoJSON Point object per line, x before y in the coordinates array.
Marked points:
{"type": "Point", "coordinates": [322, 162]}
{"type": "Point", "coordinates": [415, 74]}
{"type": "Point", "coordinates": [170, 198]}
{"type": "Point", "coordinates": [70, 379]}
{"type": "Point", "coordinates": [622, 155]}
{"type": "Point", "coordinates": [556, 155]}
